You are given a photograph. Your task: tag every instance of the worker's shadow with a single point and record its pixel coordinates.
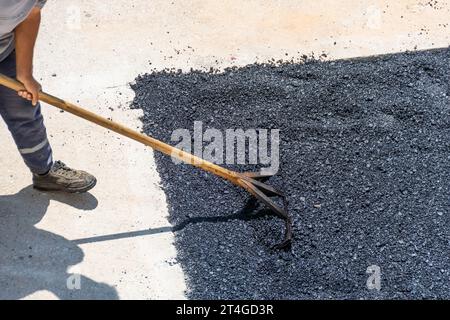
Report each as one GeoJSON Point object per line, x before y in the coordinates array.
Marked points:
{"type": "Point", "coordinates": [32, 259]}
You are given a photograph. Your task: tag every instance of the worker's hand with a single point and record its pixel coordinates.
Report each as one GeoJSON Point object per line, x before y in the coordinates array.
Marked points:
{"type": "Point", "coordinates": [33, 88]}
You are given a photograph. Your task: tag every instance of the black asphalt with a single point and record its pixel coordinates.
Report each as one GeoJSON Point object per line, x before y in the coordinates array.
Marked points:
{"type": "Point", "coordinates": [365, 163]}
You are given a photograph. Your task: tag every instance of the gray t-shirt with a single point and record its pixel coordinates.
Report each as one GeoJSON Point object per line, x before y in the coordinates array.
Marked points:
{"type": "Point", "coordinates": [12, 13]}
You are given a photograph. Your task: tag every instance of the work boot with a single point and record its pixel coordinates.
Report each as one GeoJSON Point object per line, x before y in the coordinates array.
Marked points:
{"type": "Point", "coordinates": [62, 178]}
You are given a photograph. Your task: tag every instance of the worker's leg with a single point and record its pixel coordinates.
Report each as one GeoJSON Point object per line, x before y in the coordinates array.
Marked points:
{"type": "Point", "coordinates": [25, 123]}
{"type": "Point", "coordinates": [27, 127]}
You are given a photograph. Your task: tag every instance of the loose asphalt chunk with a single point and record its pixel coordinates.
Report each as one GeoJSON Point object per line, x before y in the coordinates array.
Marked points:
{"type": "Point", "coordinates": [365, 164]}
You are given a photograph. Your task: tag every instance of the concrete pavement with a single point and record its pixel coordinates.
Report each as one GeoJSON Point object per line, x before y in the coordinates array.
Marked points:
{"type": "Point", "coordinates": [115, 242]}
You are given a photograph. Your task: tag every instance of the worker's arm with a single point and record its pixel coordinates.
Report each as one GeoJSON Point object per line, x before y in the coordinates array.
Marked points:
{"type": "Point", "coordinates": [25, 37]}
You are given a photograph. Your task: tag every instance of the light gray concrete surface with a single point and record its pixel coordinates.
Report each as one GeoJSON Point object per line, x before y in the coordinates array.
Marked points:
{"type": "Point", "coordinates": [116, 240]}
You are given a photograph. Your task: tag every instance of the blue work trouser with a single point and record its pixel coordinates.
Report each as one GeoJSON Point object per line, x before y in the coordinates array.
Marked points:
{"type": "Point", "coordinates": [25, 123]}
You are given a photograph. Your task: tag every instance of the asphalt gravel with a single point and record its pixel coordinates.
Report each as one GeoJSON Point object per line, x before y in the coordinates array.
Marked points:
{"type": "Point", "coordinates": [365, 165]}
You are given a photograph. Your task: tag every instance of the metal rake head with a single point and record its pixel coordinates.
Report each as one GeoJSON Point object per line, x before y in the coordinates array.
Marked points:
{"type": "Point", "coordinates": [252, 182]}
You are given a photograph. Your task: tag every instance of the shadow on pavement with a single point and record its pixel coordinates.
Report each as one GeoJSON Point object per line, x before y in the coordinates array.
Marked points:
{"type": "Point", "coordinates": [248, 213]}
{"type": "Point", "coordinates": [32, 259]}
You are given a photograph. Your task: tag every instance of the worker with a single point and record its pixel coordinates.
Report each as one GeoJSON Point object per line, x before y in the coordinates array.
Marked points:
{"type": "Point", "coordinates": [19, 25]}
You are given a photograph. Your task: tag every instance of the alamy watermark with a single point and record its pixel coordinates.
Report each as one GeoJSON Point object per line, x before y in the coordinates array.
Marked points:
{"type": "Point", "coordinates": [374, 279]}
{"type": "Point", "coordinates": [231, 146]}
{"type": "Point", "coordinates": [73, 282]}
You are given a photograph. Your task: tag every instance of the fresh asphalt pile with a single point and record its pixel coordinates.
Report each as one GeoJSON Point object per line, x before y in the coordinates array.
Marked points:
{"type": "Point", "coordinates": [365, 165]}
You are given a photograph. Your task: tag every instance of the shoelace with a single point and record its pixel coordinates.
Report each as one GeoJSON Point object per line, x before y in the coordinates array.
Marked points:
{"type": "Point", "coordinates": [62, 169]}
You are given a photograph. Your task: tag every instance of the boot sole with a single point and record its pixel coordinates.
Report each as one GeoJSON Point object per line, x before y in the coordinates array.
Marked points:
{"type": "Point", "coordinates": [68, 190]}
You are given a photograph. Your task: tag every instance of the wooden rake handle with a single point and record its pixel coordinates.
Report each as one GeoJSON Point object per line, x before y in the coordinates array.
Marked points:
{"type": "Point", "coordinates": [244, 180]}
{"type": "Point", "coordinates": [127, 132]}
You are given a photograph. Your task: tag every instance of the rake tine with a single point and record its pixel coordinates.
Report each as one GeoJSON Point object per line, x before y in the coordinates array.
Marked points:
{"type": "Point", "coordinates": [282, 213]}
{"type": "Point", "coordinates": [267, 189]}
{"type": "Point", "coordinates": [257, 175]}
